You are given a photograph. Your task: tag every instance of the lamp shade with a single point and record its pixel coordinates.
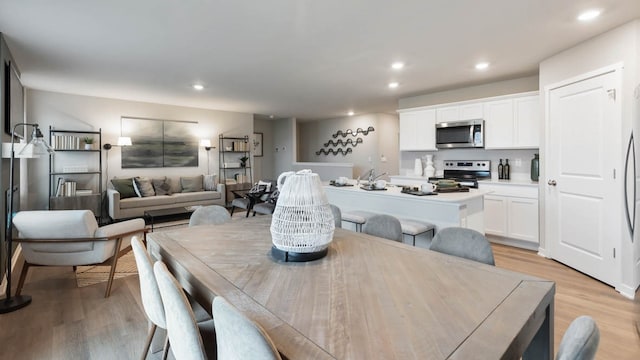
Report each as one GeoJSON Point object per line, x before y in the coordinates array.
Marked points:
{"type": "Point", "coordinates": [205, 143]}
{"type": "Point", "coordinates": [37, 146]}
{"type": "Point", "coordinates": [124, 141]}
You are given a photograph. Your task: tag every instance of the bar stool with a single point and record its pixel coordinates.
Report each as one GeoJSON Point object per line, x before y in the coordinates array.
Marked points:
{"type": "Point", "coordinates": [416, 227]}
{"type": "Point", "coordinates": [358, 217]}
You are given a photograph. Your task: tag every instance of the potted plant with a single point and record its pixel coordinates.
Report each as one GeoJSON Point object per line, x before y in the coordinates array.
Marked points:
{"type": "Point", "coordinates": [87, 142]}
{"type": "Point", "coordinates": [243, 161]}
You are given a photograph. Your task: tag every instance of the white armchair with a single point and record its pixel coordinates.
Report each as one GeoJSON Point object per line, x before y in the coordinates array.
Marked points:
{"type": "Point", "coordinates": [72, 238]}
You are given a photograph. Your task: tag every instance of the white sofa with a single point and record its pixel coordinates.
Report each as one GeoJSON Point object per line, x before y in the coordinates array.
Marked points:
{"type": "Point", "coordinates": [136, 206]}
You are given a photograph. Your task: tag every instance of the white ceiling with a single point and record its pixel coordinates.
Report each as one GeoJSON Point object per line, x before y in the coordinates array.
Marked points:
{"type": "Point", "coordinates": [310, 59]}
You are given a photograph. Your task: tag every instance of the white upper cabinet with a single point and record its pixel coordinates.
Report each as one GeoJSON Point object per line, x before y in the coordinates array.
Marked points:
{"type": "Point", "coordinates": [512, 123]}
{"type": "Point", "coordinates": [445, 114]}
{"type": "Point", "coordinates": [471, 112]}
{"type": "Point", "coordinates": [418, 130]}
{"type": "Point", "coordinates": [459, 112]}
{"type": "Point", "coordinates": [527, 121]}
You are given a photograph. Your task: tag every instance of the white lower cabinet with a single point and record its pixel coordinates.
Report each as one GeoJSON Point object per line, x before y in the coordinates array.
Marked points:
{"type": "Point", "coordinates": [511, 212]}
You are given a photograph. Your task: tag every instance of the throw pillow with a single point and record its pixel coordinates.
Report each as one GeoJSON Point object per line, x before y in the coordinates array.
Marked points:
{"type": "Point", "coordinates": [162, 186]}
{"type": "Point", "coordinates": [210, 183]}
{"type": "Point", "coordinates": [191, 184]}
{"type": "Point", "coordinates": [124, 187]}
{"type": "Point", "coordinates": [143, 186]}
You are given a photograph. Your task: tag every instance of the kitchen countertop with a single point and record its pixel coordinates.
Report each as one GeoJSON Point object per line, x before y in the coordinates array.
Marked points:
{"type": "Point", "coordinates": [395, 191]}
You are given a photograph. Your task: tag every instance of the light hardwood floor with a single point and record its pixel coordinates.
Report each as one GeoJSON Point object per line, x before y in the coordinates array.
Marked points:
{"type": "Point", "coordinates": [66, 322]}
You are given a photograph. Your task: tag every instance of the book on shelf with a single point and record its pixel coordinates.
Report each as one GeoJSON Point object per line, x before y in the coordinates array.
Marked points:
{"type": "Point", "coordinates": [60, 187]}
{"type": "Point", "coordinates": [84, 192]}
{"type": "Point", "coordinates": [65, 142]}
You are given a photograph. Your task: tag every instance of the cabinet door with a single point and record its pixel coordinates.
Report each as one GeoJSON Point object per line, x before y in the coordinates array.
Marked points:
{"type": "Point", "coordinates": [408, 129]}
{"type": "Point", "coordinates": [495, 213]}
{"type": "Point", "coordinates": [417, 130]}
{"type": "Point", "coordinates": [451, 113]}
{"type": "Point", "coordinates": [527, 122]}
{"type": "Point", "coordinates": [471, 111]}
{"type": "Point", "coordinates": [498, 117]}
{"type": "Point", "coordinates": [523, 219]}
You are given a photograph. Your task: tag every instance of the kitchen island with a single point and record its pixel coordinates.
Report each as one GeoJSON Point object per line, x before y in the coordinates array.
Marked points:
{"type": "Point", "coordinates": [465, 209]}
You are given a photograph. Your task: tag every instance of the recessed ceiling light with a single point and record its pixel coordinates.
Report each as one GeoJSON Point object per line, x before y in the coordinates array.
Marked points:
{"type": "Point", "coordinates": [589, 15]}
{"type": "Point", "coordinates": [393, 85]}
{"type": "Point", "coordinates": [198, 87]}
{"type": "Point", "coordinates": [397, 65]}
{"type": "Point", "coordinates": [350, 113]}
{"type": "Point", "coordinates": [482, 66]}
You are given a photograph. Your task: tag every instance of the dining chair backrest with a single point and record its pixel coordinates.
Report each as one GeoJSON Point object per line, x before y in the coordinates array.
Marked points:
{"type": "Point", "coordinates": [580, 341]}
{"type": "Point", "coordinates": [384, 226]}
{"type": "Point", "coordinates": [464, 243]}
{"type": "Point", "coordinates": [337, 215]}
{"type": "Point", "coordinates": [238, 337]}
{"type": "Point", "coordinates": [183, 331]}
{"type": "Point", "coordinates": [149, 292]}
{"type": "Point", "coordinates": [209, 215]}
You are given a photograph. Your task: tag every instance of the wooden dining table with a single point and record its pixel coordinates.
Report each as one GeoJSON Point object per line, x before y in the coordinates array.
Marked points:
{"type": "Point", "coordinates": [369, 298]}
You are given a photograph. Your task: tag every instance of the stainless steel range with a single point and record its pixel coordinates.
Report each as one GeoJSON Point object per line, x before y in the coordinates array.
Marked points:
{"type": "Point", "coordinates": [466, 172]}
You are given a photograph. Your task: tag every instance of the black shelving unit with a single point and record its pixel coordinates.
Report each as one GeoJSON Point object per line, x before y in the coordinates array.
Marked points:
{"type": "Point", "coordinates": [67, 165]}
{"type": "Point", "coordinates": [230, 151]}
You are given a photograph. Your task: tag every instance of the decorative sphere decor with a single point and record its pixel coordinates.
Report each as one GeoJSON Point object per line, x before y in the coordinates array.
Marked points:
{"type": "Point", "coordinates": [302, 223]}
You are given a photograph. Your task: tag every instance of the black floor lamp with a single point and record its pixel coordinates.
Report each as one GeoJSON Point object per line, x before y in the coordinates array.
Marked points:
{"type": "Point", "coordinates": [37, 146]}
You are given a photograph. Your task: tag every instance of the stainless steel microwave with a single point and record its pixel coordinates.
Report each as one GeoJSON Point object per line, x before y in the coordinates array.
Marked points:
{"type": "Point", "coordinates": [460, 134]}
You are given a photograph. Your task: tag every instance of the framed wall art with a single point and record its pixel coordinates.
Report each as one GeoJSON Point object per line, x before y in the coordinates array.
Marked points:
{"type": "Point", "coordinates": [159, 143]}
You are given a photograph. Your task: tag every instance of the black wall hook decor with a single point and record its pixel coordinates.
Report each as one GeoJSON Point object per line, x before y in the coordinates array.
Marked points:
{"type": "Point", "coordinates": [335, 151]}
{"type": "Point", "coordinates": [343, 143]}
{"type": "Point", "coordinates": [353, 133]}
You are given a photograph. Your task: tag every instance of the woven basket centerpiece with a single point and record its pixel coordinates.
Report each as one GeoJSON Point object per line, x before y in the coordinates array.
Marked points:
{"type": "Point", "coordinates": [302, 224]}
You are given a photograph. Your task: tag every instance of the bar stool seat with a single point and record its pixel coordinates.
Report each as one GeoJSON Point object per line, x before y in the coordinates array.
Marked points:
{"type": "Point", "coordinates": [358, 217]}
{"type": "Point", "coordinates": [416, 227]}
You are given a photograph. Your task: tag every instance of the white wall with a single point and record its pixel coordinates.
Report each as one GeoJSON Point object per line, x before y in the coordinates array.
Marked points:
{"type": "Point", "coordinates": [383, 140]}
{"type": "Point", "coordinates": [618, 45]}
{"type": "Point", "coordinates": [284, 145]}
{"type": "Point", "coordinates": [506, 87]}
{"type": "Point", "coordinates": [264, 167]}
{"type": "Point", "coordinates": [75, 112]}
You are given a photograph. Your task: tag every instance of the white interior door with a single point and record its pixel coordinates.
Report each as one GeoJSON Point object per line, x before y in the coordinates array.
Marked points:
{"type": "Point", "coordinates": [583, 175]}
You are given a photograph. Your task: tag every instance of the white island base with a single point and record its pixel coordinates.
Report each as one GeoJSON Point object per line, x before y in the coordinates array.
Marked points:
{"type": "Point", "coordinates": [464, 209]}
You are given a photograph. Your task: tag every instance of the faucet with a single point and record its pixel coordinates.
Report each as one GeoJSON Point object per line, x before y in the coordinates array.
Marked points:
{"type": "Point", "coordinates": [370, 176]}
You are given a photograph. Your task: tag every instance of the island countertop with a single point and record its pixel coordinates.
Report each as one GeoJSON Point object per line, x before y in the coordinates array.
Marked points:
{"type": "Point", "coordinates": [465, 209]}
{"type": "Point", "coordinates": [395, 191]}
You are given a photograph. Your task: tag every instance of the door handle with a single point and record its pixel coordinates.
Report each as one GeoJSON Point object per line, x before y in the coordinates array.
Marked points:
{"type": "Point", "coordinates": [630, 215]}
{"type": "Point", "coordinates": [551, 182]}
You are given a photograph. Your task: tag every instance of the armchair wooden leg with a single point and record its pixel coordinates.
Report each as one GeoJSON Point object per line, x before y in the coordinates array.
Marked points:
{"type": "Point", "coordinates": [23, 277]}
{"type": "Point", "coordinates": [147, 344]}
{"type": "Point", "coordinates": [165, 348]}
{"type": "Point", "coordinates": [112, 271]}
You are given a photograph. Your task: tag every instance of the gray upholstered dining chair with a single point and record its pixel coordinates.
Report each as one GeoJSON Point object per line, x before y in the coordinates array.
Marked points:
{"type": "Point", "coordinates": [189, 339]}
{"type": "Point", "coordinates": [384, 226]}
{"type": "Point", "coordinates": [238, 337]}
{"type": "Point", "coordinates": [580, 341]}
{"type": "Point", "coordinates": [209, 215]}
{"type": "Point", "coordinates": [337, 215]}
{"type": "Point", "coordinates": [151, 299]}
{"type": "Point", "coordinates": [464, 243]}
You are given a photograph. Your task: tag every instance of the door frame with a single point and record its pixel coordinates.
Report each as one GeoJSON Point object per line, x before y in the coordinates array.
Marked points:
{"type": "Point", "coordinates": [546, 249]}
